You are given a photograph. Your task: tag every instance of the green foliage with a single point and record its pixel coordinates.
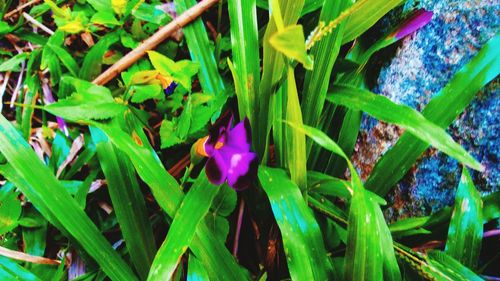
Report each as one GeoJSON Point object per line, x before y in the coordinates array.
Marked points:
{"type": "Point", "coordinates": [465, 233]}
{"type": "Point", "coordinates": [124, 162]}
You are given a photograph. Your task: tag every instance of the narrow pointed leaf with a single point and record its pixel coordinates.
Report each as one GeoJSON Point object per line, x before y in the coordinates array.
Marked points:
{"type": "Point", "coordinates": [465, 232]}
{"type": "Point", "coordinates": [199, 48]}
{"type": "Point", "coordinates": [302, 239]}
{"type": "Point", "coordinates": [37, 182]}
{"type": "Point", "coordinates": [385, 110]}
{"type": "Point", "coordinates": [454, 97]}
{"type": "Point", "coordinates": [193, 209]}
{"type": "Point", "coordinates": [128, 202]}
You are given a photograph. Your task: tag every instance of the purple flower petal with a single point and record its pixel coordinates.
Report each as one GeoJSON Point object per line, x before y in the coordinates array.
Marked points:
{"type": "Point", "coordinates": [241, 167]}
{"type": "Point", "coordinates": [216, 169]}
{"type": "Point", "coordinates": [417, 20]}
{"type": "Point", "coordinates": [240, 136]}
{"type": "Point", "coordinates": [217, 133]}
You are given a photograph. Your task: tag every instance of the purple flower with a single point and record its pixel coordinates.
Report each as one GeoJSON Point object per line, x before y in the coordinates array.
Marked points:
{"type": "Point", "coordinates": [417, 20]}
{"type": "Point", "coordinates": [228, 149]}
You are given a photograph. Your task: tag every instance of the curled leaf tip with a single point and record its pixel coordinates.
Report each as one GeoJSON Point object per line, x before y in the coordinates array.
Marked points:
{"type": "Point", "coordinates": [419, 19]}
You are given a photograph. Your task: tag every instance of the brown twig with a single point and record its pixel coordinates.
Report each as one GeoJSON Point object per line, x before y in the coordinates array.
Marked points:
{"type": "Point", "coordinates": [25, 257]}
{"type": "Point", "coordinates": [20, 8]}
{"type": "Point", "coordinates": [153, 41]}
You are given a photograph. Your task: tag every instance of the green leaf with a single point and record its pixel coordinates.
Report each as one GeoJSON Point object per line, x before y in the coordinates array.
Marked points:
{"type": "Point", "coordinates": [366, 15]}
{"type": "Point", "coordinates": [14, 63]}
{"type": "Point", "coordinates": [328, 185]}
{"type": "Point", "coordinates": [491, 209]}
{"type": "Point", "coordinates": [50, 197]}
{"type": "Point", "coordinates": [88, 102]}
{"type": "Point", "coordinates": [223, 205]}
{"type": "Point", "coordinates": [369, 254]}
{"type": "Point", "coordinates": [105, 18]}
{"type": "Point", "coordinates": [296, 142]}
{"type": "Point", "coordinates": [65, 58]}
{"type": "Point", "coordinates": [150, 13]}
{"type": "Point", "coordinates": [10, 270]}
{"type": "Point", "coordinates": [10, 209]}
{"type": "Point", "coordinates": [141, 93]}
{"type": "Point", "coordinates": [92, 63]}
{"type": "Point", "coordinates": [302, 239]}
{"type": "Point", "coordinates": [291, 42]}
{"type": "Point", "coordinates": [454, 97]}
{"type": "Point", "coordinates": [465, 233]}
{"type": "Point", "coordinates": [101, 5]}
{"type": "Point", "coordinates": [128, 202]}
{"type": "Point", "coordinates": [273, 69]}
{"type": "Point", "coordinates": [180, 71]}
{"type": "Point", "coordinates": [325, 54]}
{"type": "Point", "coordinates": [193, 209]}
{"type": "Point", "coordinates": [385, 110]}
{"type": "Point", "coordinates": [168, 134]}
{"type": "Point", "coordinates": [245, 50]}
{"type": "Point", "coordinates": [452, 269]}
{"type": "Point", "coordinates": [218, 261]}
{"type": "Point", "coordinates": [200, 51]}
{"type": "Point", "coordinates": [196, 272]}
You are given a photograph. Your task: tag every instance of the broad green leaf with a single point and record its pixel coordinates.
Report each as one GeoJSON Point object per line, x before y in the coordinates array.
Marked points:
{"type": "Point", "coordinates": [10, 209]}
{"type": "Point", "coordinates": [180, 71]}
{"type": "Point", "coordinates": [36, 181]}
{"type": "Point", "coordinates": [168, 134]}
{"type": "Point", "coordinates": [309, 5]}
{"type": "Point", "coordinates": [101, 5]}
{"type": "Point", "coordinates": [291, 43]}
{"type": "Point", "coordinates": [194, 207]}
{"type": "Point", "coordinates": [408, 224]}
{"type": "Point", "coordinates": [195, 271]}
{"type": "Point", "coordinates": [465, 233]}
{"type": "Point", "coordinates": [128, 202]}
{"type": "Point", "coordinates": [245, 51]}
{"type": "Point", "coordinates": [328, 185]}
{"type": "Point", "coordinates": [105, 18]}
{"type": "Point", "coordinates": [302, 239]}
{"type": "Point", "coordinates": [199, 48]}
{"type": "Point", "coordinates": [218, 261]}
{"type": "Point", "coordinates": [141, 93]}
{"type": "Point", "coordinates": [223, 205]}
{"type": "Point", "coordinates": [150, 13]}
{"type": "Point", "coordinates": [88, 102]}
{"type": "Point", "coordinates": [366, 15]}
{"type": "Point", "coordinates": [454, 97]}
{"type": "Point", "coordinates": [10, 270]}
{"type": "Point", "coordinates": [385, 110]}
{"type": "Point", "coordinates": [92, 63]}
{"type": "Point", "coordinates": [119, 6]}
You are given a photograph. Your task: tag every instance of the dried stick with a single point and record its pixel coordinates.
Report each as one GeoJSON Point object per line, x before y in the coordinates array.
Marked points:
{"type": "Point", "coordinates": [153, 41]}
{"type": "Point", "coordinates": [37, 23]}
{"type": "Point", "coordinates": [20, 8]}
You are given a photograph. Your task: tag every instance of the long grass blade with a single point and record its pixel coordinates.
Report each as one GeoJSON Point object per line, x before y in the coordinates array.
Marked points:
{"type": "Point", "coordinates": [365, 17]}
{"type": "Point", "coordinates": [454, 97]}
{"type": "Point", "coordinates": [194, 207]}
{"type": "Point", "coordinates": [218, 261]}
{"type": "Point", "coordinates": [37, 182]}
{"type": "Point", "coordinates": [245, 47]}
{"type": "Point", "coordinates": [385, 110]}
{"type": "Point", "coordinates": [128, 202]}
{"type": "Point", "coordinates": [302, 239]}
{"type": "Point", "coordinates": [465, 233]}
{"type": "Point", "coordinates": [199, 47]}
